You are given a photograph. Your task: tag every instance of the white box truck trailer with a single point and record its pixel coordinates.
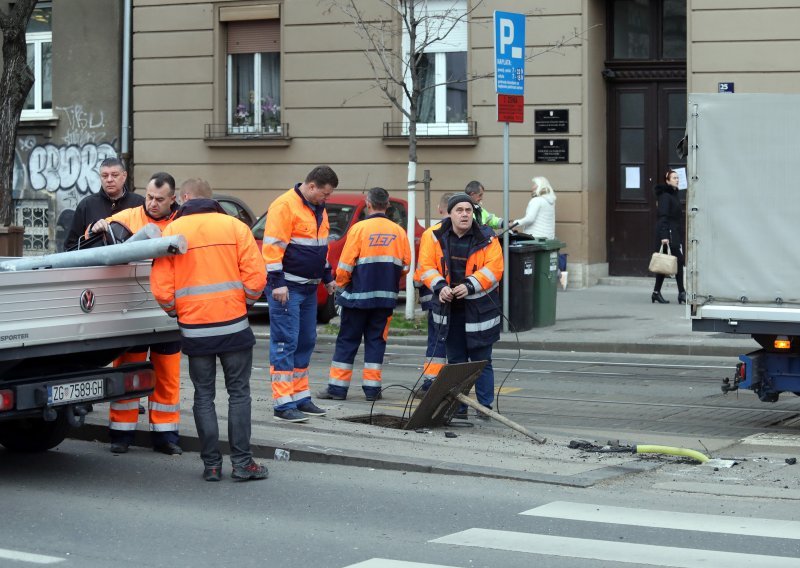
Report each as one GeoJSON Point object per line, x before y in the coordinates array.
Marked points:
{"type": "Point", "coordinates": [743, 245]}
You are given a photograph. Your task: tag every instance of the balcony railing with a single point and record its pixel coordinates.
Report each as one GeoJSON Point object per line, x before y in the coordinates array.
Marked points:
{"type": "Point", "coordinates": [432, 130]}
{"type": "Point", "coordinates": [222, 131]}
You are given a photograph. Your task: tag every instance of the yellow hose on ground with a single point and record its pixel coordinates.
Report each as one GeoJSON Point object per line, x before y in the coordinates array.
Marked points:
{"type": "Point", "coordinates": [669, 450]}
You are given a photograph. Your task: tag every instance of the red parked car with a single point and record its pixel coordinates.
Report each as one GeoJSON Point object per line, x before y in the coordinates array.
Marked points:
{"type": "Point", "coordinates": [344, 210]}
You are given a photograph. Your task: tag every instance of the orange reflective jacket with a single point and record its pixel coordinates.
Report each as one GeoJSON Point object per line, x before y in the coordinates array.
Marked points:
{"type": "Point", "coordinates": [425, 293]}
{"type": "Point", "coordinates": [295, 246]}
{"type": "Point", "coordinates": [136, 218]}
{"type": "Point", "coordinates": [210, 287]}
{"type": "Point", "coordinates": [375, 257]}
{"type": "Point", "coordinates": [484, 269]}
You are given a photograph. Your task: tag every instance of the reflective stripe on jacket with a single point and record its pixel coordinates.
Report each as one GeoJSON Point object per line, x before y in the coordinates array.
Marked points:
{"type": "Point", "coordinates": [210, 287]}
{"type": "Point", "coordinates": [484, 269]}
{"type": "Point", "coordinates": [295, 246]}
{"type": "Point", "coordinates": [375, 257]}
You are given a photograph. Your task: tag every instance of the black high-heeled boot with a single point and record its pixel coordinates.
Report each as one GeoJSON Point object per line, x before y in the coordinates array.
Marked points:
{"type": "Point", "coordinates": [657, 297]}
{"type": "Point", "coordinates": [681, 297]}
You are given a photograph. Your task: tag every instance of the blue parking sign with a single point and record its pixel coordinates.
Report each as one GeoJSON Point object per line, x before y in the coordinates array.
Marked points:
{"type": "Point", "coordinates": [509, 53]}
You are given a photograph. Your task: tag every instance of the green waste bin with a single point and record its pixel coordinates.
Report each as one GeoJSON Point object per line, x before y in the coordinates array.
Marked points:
{"type": "Point", "coordinates": [521, 264]}
{"type": "Point", "coordinates": [545, 279]}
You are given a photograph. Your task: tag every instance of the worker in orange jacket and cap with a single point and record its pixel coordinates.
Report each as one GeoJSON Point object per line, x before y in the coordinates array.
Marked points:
{"type": "Point", "coordinates": [164, 403]}
{"type": "Point", "coordinates": [462, 263]}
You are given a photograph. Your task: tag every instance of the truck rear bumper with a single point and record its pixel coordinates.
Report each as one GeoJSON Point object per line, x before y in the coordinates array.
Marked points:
{"type": "Point", "coordinates": [30, 398]}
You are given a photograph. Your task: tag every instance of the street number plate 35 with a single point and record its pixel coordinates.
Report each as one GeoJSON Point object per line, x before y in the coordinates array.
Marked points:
{"type": "Point", "coordinates": [71, 392]}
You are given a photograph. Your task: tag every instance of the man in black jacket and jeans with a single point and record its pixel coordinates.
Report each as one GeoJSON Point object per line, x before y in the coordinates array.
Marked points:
{"type": "Point", "coordinates": [113, 197]}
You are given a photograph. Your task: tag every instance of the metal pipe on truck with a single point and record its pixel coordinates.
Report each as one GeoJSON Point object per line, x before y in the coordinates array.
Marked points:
{"type": "Point", "coordinates": [122, 253]}
{"type": "Point", "coordinates": [149, 231]}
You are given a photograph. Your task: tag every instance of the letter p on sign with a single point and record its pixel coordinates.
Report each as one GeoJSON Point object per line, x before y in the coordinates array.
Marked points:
{"type": "Point", "coordinates": [507, 38]}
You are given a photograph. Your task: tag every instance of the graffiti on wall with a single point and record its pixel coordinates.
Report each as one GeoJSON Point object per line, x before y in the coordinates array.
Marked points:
{"type": "Point", "coordinates": [55, 168]}
{"type": "Point", "coordinates": [83, 126]}
{"type": "Point", "coordinates": [65, 171]}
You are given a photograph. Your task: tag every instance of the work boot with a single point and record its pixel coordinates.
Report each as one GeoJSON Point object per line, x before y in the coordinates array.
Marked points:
{"type": "Point", "coordinates": [311, 409]}
{"type": "Point", "coordinates": [423, 389]}
{"type": "Point", "coordinates": [373, 397]}
{"type": "Point", "coordinates": [327, 395]}
{"type": "Point", "coordinates": [461, 413]}
{"type": "Point", "coordinates": [250, 471]}
{"type": "Point", "coordinates": [168, 448]}
{"type": "Point", "coordinates": [290, 415]}
{"type": "Point", "coordinates": [212, 473]}
{"type": "Point", "coordinates": [119, 447]}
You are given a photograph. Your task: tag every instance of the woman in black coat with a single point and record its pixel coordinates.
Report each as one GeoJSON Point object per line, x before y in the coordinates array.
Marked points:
{"type": "Point", "coordinates": [669, 230]}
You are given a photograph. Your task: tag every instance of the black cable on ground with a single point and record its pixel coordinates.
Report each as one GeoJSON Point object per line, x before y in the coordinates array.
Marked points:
{"type": "Point", "coordinates": [519, 354]}
{"type": "Point", "coordinates": [415, 388]}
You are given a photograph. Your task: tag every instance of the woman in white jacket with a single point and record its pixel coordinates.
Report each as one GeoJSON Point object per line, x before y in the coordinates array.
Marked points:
{"type": "Point", "coordinates": [540, 216]}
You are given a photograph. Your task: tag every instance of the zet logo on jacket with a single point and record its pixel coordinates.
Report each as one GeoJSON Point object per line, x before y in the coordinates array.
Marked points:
{"type": "Point", "coordinates": [381, 239]}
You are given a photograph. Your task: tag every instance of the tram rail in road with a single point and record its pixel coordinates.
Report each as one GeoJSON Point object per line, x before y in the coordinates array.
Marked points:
{"type": "Point", "coordinates": [632, 395]}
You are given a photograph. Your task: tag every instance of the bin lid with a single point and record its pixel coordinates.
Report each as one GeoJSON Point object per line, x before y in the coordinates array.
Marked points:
{"type": "Point", "coordinates": [519, 248]}
{"type": "Point", "coordinates": [542, 244]}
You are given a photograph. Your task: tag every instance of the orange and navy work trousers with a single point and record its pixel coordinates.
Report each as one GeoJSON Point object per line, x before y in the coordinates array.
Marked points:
{"type": "Point", "coordinates": [292, 337]}
{"type": "Point", "coordinates": [436, 350]}
{"type": "Point", "coordinates": [372, 325]}
{"type": "Point", "coordinates": [164, 404]}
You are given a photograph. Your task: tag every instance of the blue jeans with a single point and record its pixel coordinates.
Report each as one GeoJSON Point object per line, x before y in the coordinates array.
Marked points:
{"type": "Point", "coordinates": [203, 371]}
{"type": "Point", "coordinates": [292, 337]}
{"type": "Point", "coordinates": [458, 352]}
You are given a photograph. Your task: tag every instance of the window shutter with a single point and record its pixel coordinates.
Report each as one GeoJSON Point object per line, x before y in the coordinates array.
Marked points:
{"type": "Point", "coordinates": [441, 16]}
{"type": "Point", "coordinates": [254, 36]}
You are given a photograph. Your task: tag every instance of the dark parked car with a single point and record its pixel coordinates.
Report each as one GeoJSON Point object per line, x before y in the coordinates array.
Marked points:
{"type": "Point", "coordinates": [235, 207]}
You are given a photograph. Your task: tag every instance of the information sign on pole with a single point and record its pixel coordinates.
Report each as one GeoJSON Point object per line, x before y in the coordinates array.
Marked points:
{"type": "Point", "coordinates": [509, 84]}
{"type": "Point", "coordinates": [509, 53]}
{"type": "Point", "coordinates": [510, 108]}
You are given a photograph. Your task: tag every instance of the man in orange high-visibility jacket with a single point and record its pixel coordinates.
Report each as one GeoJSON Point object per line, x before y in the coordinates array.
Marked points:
{"type": "Point", "coordinates": [374, 259]}
{"type": "Point", "coordinates": [164, 404]}
{"type": "Point", "coordinates": [295, 253]}
{"type": "Point", "coordinates": [462, 263]}
{"type": "Point", "coordinates": [208, 289]}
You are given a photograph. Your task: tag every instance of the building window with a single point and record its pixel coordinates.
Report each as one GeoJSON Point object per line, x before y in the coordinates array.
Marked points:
{"type": "Point", "coordinates": [254, 77]}
{"type": "Point", "coordinates": [39, 39]}
{"type": "Point", "coordinates": [649, 30]}
{"type": "Point", "coordinates": [32, 214]}
{"type": "Point", "coordinates": [442, 108]}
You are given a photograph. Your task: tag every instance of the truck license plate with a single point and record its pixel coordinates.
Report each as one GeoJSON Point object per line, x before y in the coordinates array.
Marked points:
{"type": "Point", "coordinates": [70, 392]}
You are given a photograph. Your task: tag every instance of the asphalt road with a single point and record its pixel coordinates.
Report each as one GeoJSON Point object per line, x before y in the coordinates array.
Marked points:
{"type": "Point", "coordinates": [80, 506]}
{"type": "Point", "coordinates": [618, 395]}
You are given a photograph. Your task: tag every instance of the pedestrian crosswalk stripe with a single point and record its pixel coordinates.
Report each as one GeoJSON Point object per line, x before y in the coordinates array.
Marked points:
{"type": "Point", "coordinates": [28, 557]}
{"type": "Point", "coordinates": [611, 551]}
{"type": "Point", "coordinates": [667, 519]}
{"type": "Point", "coordinates": [386, 563]}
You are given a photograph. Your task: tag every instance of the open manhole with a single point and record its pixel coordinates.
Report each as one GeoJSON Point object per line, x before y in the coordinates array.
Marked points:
{"type": "Point", "coordinates": [438, 405]}
{"type": "Point", "coordinates": [382, 420]}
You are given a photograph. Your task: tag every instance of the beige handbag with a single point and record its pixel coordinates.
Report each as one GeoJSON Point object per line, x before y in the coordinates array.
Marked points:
{"type": "Point", "coordinates": [665, 264]}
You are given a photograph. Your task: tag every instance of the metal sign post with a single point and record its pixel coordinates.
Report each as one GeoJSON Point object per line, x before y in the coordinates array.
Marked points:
{"type": "Point", "coordinates": [509, 83]}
